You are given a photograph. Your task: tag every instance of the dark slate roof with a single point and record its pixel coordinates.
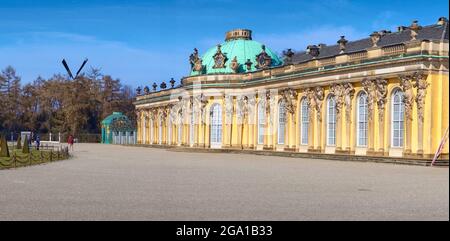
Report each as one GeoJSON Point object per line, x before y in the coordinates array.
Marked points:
{"type": "Point", "coordinates": [431, 32]}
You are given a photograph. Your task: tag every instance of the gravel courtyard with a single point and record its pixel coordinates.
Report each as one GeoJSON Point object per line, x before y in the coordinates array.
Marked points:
{"type": "Point", "coordinates": [107, 182]}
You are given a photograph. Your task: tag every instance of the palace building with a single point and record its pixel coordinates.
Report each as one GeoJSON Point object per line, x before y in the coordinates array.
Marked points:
{"type": "Point", "coordinates": [384, 95]}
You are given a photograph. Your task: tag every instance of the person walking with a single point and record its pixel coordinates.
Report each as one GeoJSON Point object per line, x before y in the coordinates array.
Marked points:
{"type": "Point", "coordinates": [38, 142]}
{"type": "Point", "coordinates": [70, 142]}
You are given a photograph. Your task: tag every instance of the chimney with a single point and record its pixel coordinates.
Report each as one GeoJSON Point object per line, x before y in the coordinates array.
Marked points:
{"type": "Point", "coordinates": [383, 32]}
{"type": "Point", "coordinates": [442, 21]}
{"type": "Point", "coordinates": [313, 50]}
{"type": "Point", "coordinates": [321, 45]}
{"type": "Point", "coordinates": [401, 28]}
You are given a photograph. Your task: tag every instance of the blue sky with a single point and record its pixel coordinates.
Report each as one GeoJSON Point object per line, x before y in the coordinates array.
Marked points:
{"type": "Point", "coordinates": [142, 42]}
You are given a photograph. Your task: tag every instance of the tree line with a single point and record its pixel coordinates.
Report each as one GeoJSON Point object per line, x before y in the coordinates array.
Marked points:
{"type": "Point", "coordinates": [59, 104]}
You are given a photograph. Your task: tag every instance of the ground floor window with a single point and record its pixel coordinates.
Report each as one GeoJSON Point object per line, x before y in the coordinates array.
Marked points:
{"type": "Point", "coordinates": [216, 125]}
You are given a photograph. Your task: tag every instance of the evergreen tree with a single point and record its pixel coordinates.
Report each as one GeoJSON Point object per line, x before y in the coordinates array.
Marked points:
{"type": "Point", "coordinates": [19, 142]}
{"type": "Point", "coordinates": [4, 152]}
{"type": "Point", "coordinates": [26, 148]}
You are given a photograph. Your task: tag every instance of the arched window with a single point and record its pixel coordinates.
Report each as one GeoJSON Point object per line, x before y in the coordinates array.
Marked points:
{"type": "Point", "coordinates": [281, 122]}
{"type": "Point", "coordinates": [304, 122]}
{"type": "Point", "coordinates": [169, 132]}
{"type": "Point", "coordinates": [191, 129]}
{"type": "Point", "coordinates": [216, 125]}
{"type": "Point", "coordinates": [151, 131]}
{"type": "Point", "coordinates": [331, 121]}
{"type": "Point", "coordinates": [180, 128]}
{"type": "Point", "coordinates": [144, 130]}
{"type": "Point", "coordinates": [397, 117]}
{"type": "Point", "coordinates": [362, 119]}
{"type": "Point", "coordinates": [160, 130]}
{"type": "Point", "coordinates": [261, 122]}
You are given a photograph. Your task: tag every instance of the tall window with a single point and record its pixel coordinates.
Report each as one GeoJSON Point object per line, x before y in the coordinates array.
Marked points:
{"type": "Point", "coordinates": [362, 119]}
{"type": "Point", "coordinates": [216, 125]}
{"type": "Point", "coordinates": [261, 122]}
{"type": "Point", "coordinates": [169, 131]}
{"type": "Point", "coordinates": [331, 121]}
{"type": "Point", "coordinates": [397, 116]}
{"type": "Point", "coordinates": [151, 131]}
{"type": "Point", "coordinates": [180, 128]}
{"type": "Point", "coordinates": [144, 130]}
{"type": "Point", "coordinates": [160, 130]}
{"type": "Point", "coordinates": [191, 129]}
{"type": "Point", "coordinates": [304, 122]}
{"type": "Point", "coordinates": [281, 122]}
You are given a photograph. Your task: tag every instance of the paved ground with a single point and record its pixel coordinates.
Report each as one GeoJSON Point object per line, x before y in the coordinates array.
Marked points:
{"type": "Point", "coordinates": [106, 182]}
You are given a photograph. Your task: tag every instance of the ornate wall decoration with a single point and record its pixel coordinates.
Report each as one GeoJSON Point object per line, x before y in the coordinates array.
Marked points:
{"type": "Point", "coordinates": [349, 92]}
{"type": "Point", "coordinates": [228, 99]}
{"type": "Point", "coordinates": [288, 54]}
{"type": "Point", "coordinates": [290, 98]}
{"type": "Point", "coordinates": [263, 60]}
{"type": "Point", "coordinates": [319, 96]}
{"type": "Point", "coordinates": [251, 107]}
{"type": "Point", "coordinates": [138, 114]}
{"type": "Point", "coordinates": [421, 84]}
{"type": "Point", "coordinates": [309, 93]}
{"type": "Point", "coordinates": [381, 94]}
{"type": "Point", "coordinates": [408, 95]}
{"type": "Point", "coordinates": [242, 108]}
{"type": "Point", "coordinates": [271, 105]}
{"type": "Point", "coordinates": [193, 58]}
{"type": "Point", "coordinates": [415, 27]}
{"type": "Point", "coordinates": [201, 102]}
{"type": "Point", "coordinates": [342, 44]}
{"type": "Point", "coordinates": [153, 114]}
{"type": "Point", "coordinates": [375, 38]}
{"type": "Point", "coordinates": [219, 58]}
{"type": "Point", "coordinates": [337, 90]}
{"type": "Point", "coordinates": [234, 65]}
{"type": "Point", "coordinates": [369, 87]}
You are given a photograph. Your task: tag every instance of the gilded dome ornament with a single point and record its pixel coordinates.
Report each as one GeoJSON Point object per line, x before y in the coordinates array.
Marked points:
{"type": "Point", "coordinates": [263, 60]}
{"type": "Point", "coordinates": [219, 58]}
{"type": "Point", "coordinates": [234, 65]}
{"type": "Point", "coordinates": [248, 64]}
{"type": "Point", "coordinates": [198, 66]}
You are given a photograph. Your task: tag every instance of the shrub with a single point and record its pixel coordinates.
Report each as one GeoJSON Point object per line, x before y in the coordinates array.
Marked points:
{"type": "Point", "coordinates": [4, 152]}
{"type": "Point", "coordinates": [19, 142]}
{"type": "Point", "coordinates": [26, 148]}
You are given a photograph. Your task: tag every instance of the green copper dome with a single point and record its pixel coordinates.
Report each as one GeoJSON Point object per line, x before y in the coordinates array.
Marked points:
{"type": "Point", "coordinates": [238, 47]}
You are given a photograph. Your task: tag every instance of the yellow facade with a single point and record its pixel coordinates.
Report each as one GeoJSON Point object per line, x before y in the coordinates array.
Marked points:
{"type": "Point", "coordinates": [417, 71]}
